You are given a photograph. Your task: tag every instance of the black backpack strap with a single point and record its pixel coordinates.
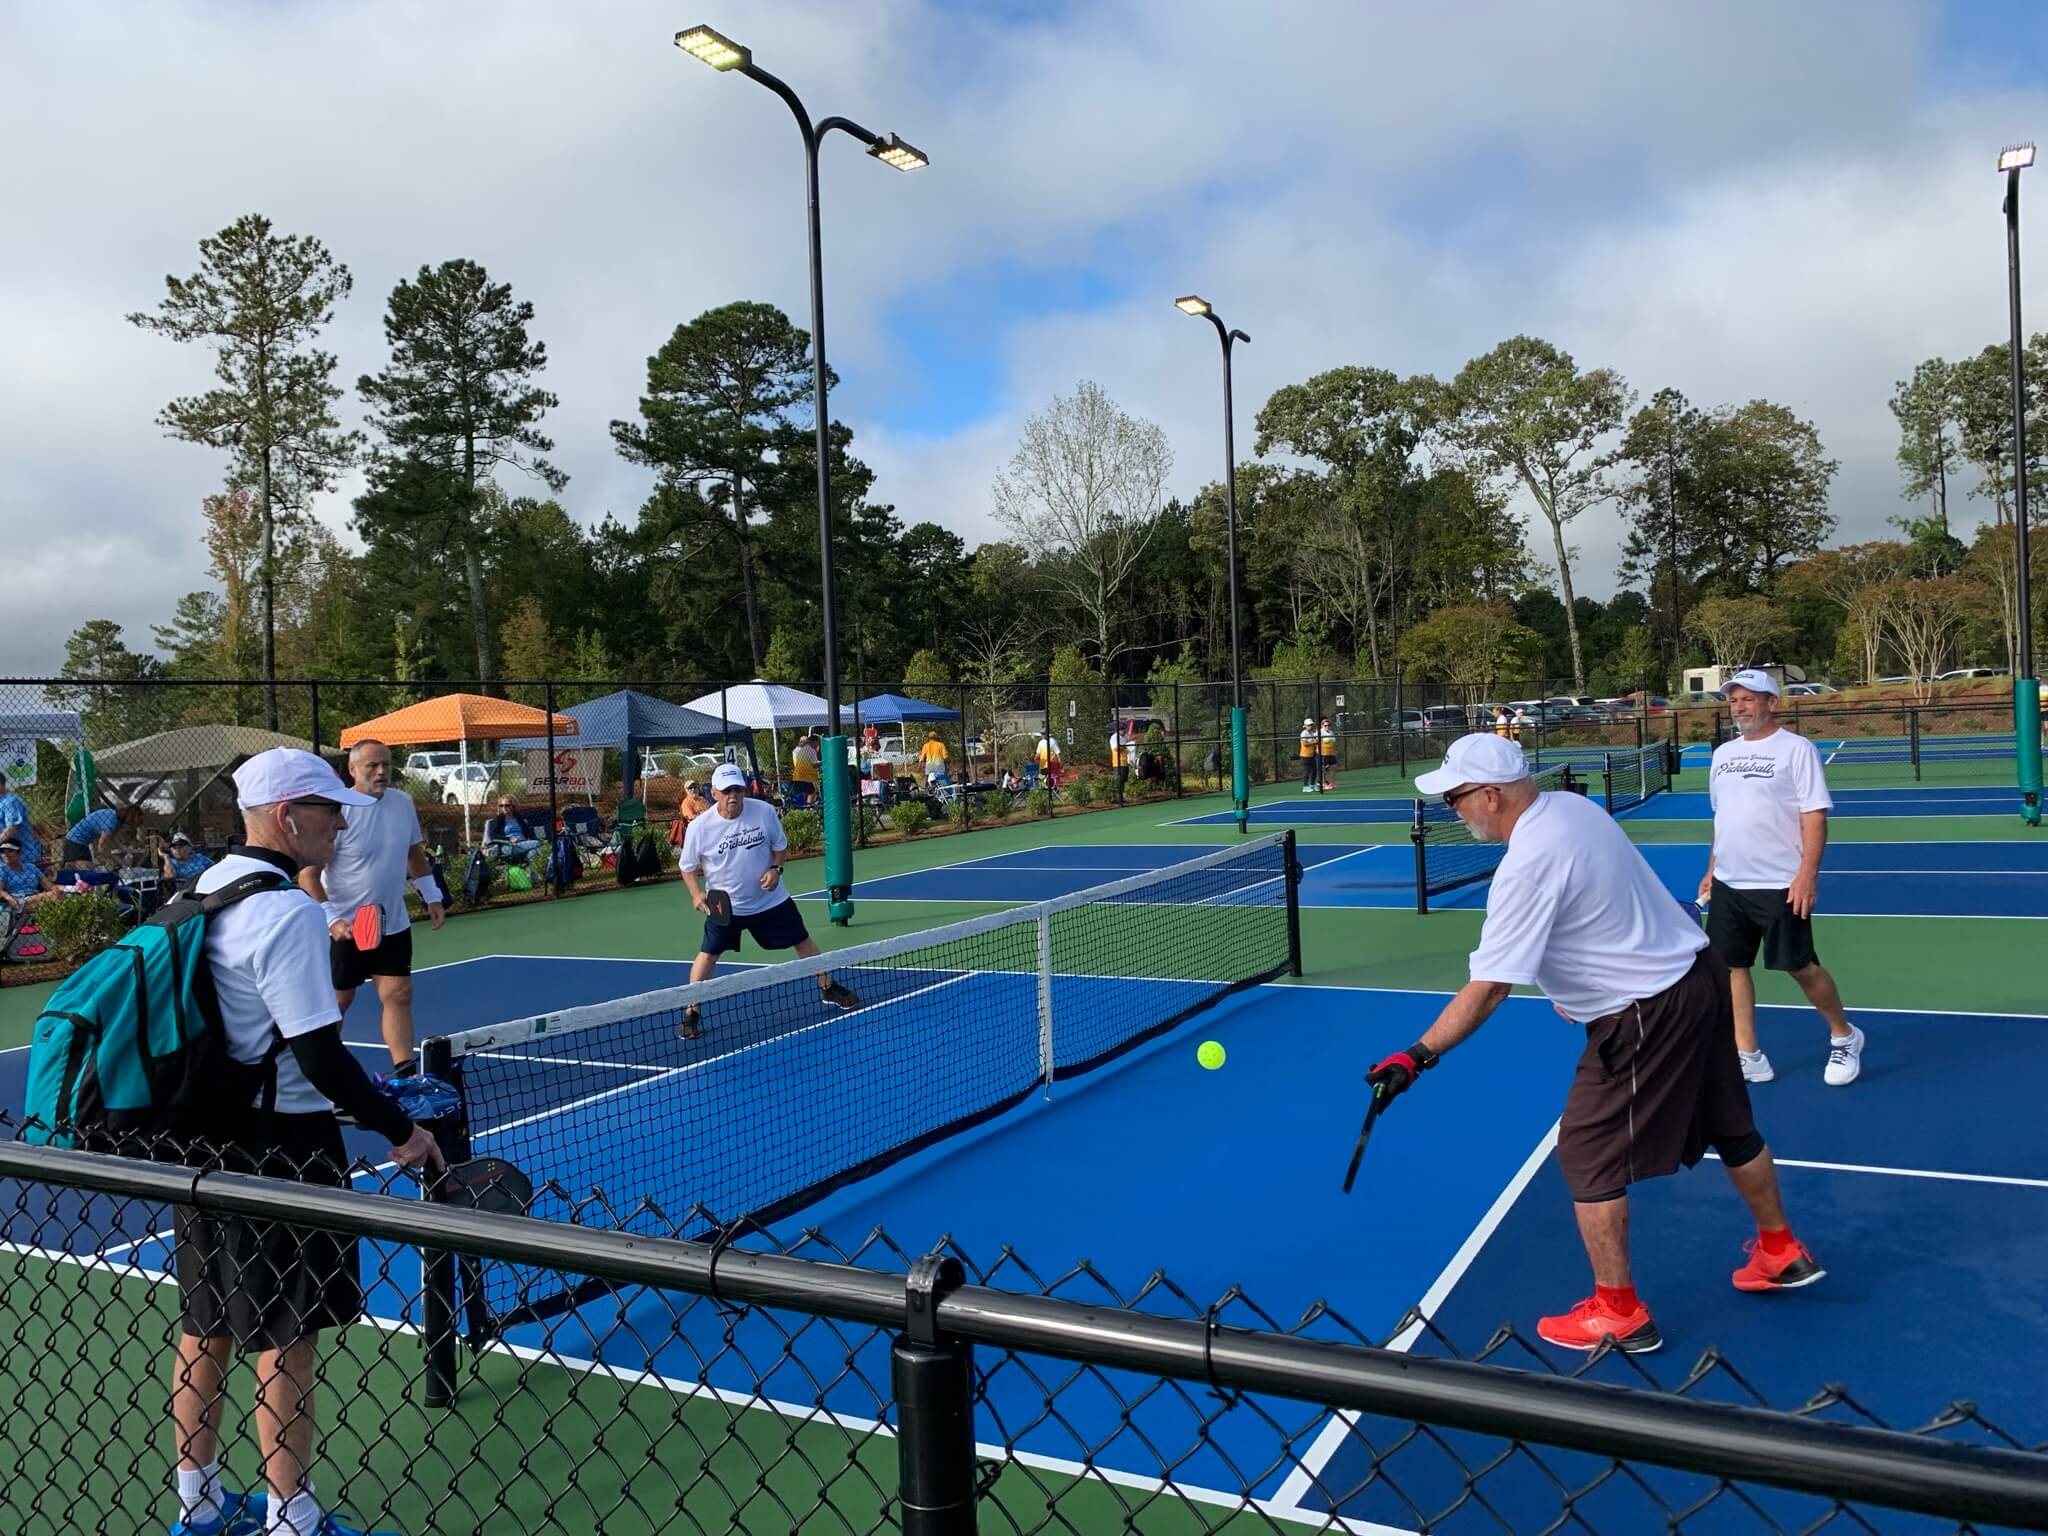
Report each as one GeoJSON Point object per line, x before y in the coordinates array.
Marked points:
{"type": "Point", "coordinates": [236, 890]}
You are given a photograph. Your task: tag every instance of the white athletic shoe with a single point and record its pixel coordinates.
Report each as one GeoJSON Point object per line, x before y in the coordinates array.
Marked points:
{"type": "Point", "coordinates": [1756, 1067]}
{"type": "Point", "coordinates": [1845, 1058]}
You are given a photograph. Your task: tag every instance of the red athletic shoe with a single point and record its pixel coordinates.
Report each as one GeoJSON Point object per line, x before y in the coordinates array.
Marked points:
{"type": "Point", "coordinates": [1592, 1321]}
{"type": "Point", "coordinates": [1776, 1271]}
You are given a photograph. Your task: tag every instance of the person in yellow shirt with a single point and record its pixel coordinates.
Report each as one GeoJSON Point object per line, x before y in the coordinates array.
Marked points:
{"type": "Point", "coordinates": [933, 756]}
{"type": "Point", "coordinates": [1120, 758]}
{"type": "Point", "coordinates": [1309, 743]}
{"type": "Point", "coordinates": [1047, 755]}
{"type": "Point", "coordinates": [1327, 748]}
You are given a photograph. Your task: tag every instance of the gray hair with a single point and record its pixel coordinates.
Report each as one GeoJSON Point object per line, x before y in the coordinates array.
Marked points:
{"type": "Point", "coordinates": [363, 745]}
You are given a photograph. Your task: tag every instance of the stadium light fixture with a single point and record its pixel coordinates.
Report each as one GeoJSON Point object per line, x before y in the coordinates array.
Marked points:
{"type": "Point", "coordinates": [713, 48]}
{"type": "Point", "coordinates": [2016, 157]}
{"type": "Point", "coordinates": [893, 152]}
{"type": "Point", "coordinates": [722, 53]}
{"type": "Point", "coordinates": [1192, 305]}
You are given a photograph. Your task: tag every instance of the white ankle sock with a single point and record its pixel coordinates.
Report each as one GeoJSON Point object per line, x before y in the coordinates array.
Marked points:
{"type": "Point", "coordinates": [297, 1516]}
{"type": "Point", "coordinates": [199, 1500]}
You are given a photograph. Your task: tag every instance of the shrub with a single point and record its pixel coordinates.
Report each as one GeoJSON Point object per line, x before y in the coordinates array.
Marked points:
{"type": "Point", "coordinates": [1038, 802]}
{"type": "Point", "coordinates": [804, 829]}
{"type": "Point", "coordinates": [1081, 791]}
{"type": "Point", "coordinates": [79, 925]}
{"type": "Point", "coordinates": [910, 817]}
{"type": "Point", "coordinates": [993, 807]}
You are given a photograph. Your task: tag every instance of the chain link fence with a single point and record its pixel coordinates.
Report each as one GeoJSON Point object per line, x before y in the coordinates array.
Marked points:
{"type": "Point", "coordinates": [786, 1382]}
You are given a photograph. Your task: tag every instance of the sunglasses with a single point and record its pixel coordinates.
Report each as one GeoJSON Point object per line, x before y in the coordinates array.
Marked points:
{"type": "Point", "coordinates": [322, 805]}
{"type": "Point", "coordinates": [1451, 800]}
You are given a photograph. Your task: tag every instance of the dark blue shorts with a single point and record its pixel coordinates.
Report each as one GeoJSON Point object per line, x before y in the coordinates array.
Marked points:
{"type": "Point", "coordinates": [778, 927]}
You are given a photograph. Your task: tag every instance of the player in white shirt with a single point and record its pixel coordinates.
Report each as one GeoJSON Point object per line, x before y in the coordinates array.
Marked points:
{"type": "Point", "coordinates": [734, 852]}
{"type": "Point", "coordinates": [1575, 911]}
{"type": "Point", "coordinates": [1771, 805]}
{"type": "Point", "coordinates": [266, 1287]}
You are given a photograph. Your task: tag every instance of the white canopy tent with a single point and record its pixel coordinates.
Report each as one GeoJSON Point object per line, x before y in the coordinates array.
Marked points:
{"type": "Point", "coordinates": [766, 706]}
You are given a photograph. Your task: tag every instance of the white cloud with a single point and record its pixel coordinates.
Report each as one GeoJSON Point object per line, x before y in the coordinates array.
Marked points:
{"type": "Point", "coordinates": [1746, 199]}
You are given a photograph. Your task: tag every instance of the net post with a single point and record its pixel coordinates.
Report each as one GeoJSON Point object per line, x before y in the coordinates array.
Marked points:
{"type": "Point", "coordinates": [1419, 833]}
{"type": "Point", "coordinates": [1293, 884]}
{"type": "Point", "coordinates": [1240, 771]}
{"type": "Point", "coordinates": [1045, 1049]}
{"type": "Point", "coordinates": [437, 1269]}
{"type": "Point", "coordinates": [1607, 780]}
{"type": "Point", "coordinates": [931, 1374]}
{"type": "Point", "coordinates": [966, 759]}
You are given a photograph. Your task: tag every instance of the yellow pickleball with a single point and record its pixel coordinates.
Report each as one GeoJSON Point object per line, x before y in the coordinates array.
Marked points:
{"type": "Point", "coordinates": [1210, 1054]}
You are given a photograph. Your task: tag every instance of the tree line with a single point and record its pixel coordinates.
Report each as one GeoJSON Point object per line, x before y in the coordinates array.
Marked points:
{"type": "Point", "coordinates": [1386, 524]}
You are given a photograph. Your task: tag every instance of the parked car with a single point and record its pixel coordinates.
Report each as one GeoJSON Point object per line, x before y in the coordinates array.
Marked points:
{"type": "Point", "coordinates": [1969, 672]}
{"type": "Point", "coordinates": [1407, 720]}
{"type": "Point", "coordinates": [1446, 719]}
{"type": "Point", "coordinates": [469, 784]}
{"type": "Point", "coordinates": [431, 767]}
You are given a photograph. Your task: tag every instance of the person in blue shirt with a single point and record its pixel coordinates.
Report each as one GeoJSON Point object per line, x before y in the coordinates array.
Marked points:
{"type": "Point", "coordinates": [87, 837]}
{"type": "Point", "coordinates": [182, 861]}
{"type": "Point", "coordinates": [20, 881]}
{"type": "Point", "coordinates": [510, 834]}
{"type": "Point", "coordinates": [14, 817]}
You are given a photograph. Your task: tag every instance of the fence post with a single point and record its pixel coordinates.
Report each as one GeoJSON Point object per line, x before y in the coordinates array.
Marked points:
{"type": "Point", "coordinates": [437, 1269]}
{"type": "Point", "coordinates": [966, 758]}
{"type": "Point", "coordinates": [313, 728]}
{"type": "Point", "coordinates": [1176, 741]}
{"type": "Point", "coordinates": [1913, 740]}
{"type": "Point", "coordinates": [554, 805]}
{"type": "Point", "coordinates": [932, 1375]}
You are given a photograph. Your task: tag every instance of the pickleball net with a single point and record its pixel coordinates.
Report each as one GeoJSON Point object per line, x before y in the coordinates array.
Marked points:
{"type": "Point", "coordinates": [1447, 855]}
{"type": "Point", "coordinates": [1630, 778]}
{"type": "Point", "coordinates": [783, 1098]}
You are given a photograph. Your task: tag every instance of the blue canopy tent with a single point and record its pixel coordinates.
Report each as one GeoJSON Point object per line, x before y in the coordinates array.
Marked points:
{"type": "Point", "coordinates": [894, 709]}
{"type": "Point", "coordinates": [632, 721]}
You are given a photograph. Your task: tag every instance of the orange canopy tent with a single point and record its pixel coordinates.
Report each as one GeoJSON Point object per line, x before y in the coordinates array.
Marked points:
{"type": "Point", "coordinates": [460, 718]}
{"type": "Point", "coordinates": [457, 717]}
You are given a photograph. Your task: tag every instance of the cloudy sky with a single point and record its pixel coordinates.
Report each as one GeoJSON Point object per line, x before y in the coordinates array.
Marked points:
{"type": "Point", "coordinates": [1748, 198]}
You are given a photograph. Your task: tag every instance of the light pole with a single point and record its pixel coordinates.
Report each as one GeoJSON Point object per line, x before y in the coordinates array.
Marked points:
{"type": "Point", "coordinates": [723, 54]}
{"type": "Point", "coordinates": [2026, 690]}
{"type": "Point", "coordinates": [1240, 773]}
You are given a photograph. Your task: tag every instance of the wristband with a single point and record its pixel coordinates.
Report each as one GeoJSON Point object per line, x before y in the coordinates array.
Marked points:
{"type": "Point", "coordinates": [1422, 1055]}
{"type": "Point", "coordinates": [429, 889]}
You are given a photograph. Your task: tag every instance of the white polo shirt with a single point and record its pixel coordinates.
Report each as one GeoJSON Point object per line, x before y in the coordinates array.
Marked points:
{"type": "Point", "coordinates": [1576, 911]}
{"type": "Point", "coordinates": [1759, 790]}
{"type": "Point", "coordinates": [269, 959]}
{"type": "Point", "coordinates": [368, 867]}
{"type": "Point", "coordinates": [732, 856]}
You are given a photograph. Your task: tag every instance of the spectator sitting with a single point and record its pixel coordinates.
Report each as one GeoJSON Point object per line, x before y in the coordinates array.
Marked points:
{"type": "Point", "coordinates": [693, 805]}
{"type": "Point", "coordinates": [181, 861]}
{"type": "Point", "coordinates": [90, 837]}
{"type": "Point", "coordinates": [14, 817]}
{"type": "Point", "coordinates": [509, 836]}
{"type": "Point", "coordinates": [20, 881]}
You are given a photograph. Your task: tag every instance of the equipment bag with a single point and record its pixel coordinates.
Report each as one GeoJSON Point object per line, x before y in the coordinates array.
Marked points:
{"type": "Point", "coordinates": [628, 862]}
{"type": "Point", "coordinates": [476, 880]}
{"type": "Point", "coordinates": [564, 865]}
{"type": "Point", "coordinates": [134, 1037]}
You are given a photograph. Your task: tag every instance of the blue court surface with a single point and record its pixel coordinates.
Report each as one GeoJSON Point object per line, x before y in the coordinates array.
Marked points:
{"type": "Point", "coordinates": [1923, 1188]}
{"type": "Point", "coordinates": [1678, 804]}
{"type": "Point", "coordinates": [2006, 879]}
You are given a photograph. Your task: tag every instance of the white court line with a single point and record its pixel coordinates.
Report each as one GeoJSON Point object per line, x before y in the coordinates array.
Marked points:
{"type": "Point", "coordinates": [1907, 1173]}
{"type": "Point", "coordinates": [1310, 1467]}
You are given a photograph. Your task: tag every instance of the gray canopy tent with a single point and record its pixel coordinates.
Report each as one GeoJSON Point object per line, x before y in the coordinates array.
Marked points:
{"type": "Point", "coordinates": [169, 772]}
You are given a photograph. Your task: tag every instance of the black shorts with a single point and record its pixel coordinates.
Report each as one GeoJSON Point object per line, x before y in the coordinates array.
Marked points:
{"type": "Point", "coordinates": [351, 967]}
{"type": "Point", "coordinates": [778, 927]}
{"type": "Point", "coordinates": [266, 1284]}
{"type": "Point", "coordinates": [1738, 921]}
{"type": "Point", "coordinates": [1658, 1084]}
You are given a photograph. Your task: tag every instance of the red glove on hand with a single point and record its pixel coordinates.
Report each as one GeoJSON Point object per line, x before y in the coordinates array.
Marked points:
{"type": "Point", "coordinates": [1399, 1070]}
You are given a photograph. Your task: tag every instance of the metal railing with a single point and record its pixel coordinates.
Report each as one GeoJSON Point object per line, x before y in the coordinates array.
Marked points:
{"type": "Point", "coordinates": [750, 1388]}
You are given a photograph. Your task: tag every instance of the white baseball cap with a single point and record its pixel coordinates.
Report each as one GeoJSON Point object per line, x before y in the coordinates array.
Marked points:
{"type": "Point", "coordinates": [1754, 681]}
{"type": "Point", "coordinates": [287, 773]}
{"type": "Point", "coordinates": [1481, 758]}
{"type": "Point", "coordinates": [727, 776]}
{"type": "Point", "coordinates": [1308, 722]}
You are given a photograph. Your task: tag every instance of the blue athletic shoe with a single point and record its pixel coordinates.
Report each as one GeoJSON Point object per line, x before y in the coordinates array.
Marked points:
{"type": "Point", "coordinates": [244, 1517]}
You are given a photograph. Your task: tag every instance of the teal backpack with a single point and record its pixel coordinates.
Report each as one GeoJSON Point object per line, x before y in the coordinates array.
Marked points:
{"type": "Point", "coordinates": [133, 1038]}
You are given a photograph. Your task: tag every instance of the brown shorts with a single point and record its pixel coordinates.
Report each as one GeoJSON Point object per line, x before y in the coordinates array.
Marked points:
{"type": "Point", "coordinates": [1658, 1085]}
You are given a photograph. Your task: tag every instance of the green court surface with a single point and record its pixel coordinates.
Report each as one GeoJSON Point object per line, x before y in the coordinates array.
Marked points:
{"type": "Point", "coordinates": [587, 1427]}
